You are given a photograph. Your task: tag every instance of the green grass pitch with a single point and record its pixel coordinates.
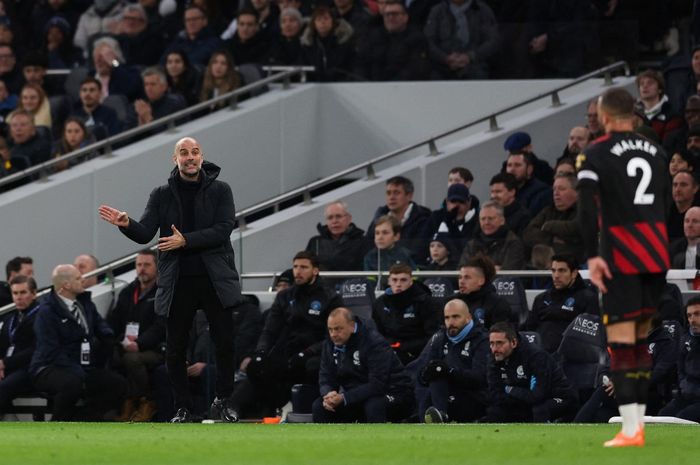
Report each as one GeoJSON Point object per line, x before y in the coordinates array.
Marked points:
{"type": "Point", "coordinates": [305, 444]}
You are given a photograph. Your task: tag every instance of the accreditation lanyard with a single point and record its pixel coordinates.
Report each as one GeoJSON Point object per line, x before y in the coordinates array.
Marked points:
{"type": "Point", "coordinates": [13, 329]}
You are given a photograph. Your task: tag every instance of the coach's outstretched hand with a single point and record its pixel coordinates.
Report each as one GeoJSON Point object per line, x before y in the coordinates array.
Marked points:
{"type": "Point", "coordinates": [114, 216]}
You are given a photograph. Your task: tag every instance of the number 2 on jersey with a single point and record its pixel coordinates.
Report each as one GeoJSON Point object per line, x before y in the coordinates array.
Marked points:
{"type": "Point", "coordinates": [641, 197]}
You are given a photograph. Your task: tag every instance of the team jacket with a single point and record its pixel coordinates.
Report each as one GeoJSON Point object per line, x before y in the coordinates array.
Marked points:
{"type": "Point", "coordinates": [366, 368]}
{"type": "Point", "coordinates": [486, 306]}
{"type": "Point", "coordinates": [689, 367]}
{"type": "Point", "coordinates": [20, 336]}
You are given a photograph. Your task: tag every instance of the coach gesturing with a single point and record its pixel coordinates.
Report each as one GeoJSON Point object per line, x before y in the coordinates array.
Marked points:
{"type": "Point", "coordinates": [195, 214]}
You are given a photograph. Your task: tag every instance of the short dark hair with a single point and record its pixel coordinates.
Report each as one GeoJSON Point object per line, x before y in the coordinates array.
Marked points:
{"type": "Point", "coordinates": [570, 260]}
{"type": "Point", "coordinates": [400, 268]}
{"type": "Point", "coordinates": [504, 327]}
{"type": "Point", "coordinates": [402, 181]}
{"type": "Point", "coordinates": [689, 173]}
{"type": "Point", "coordinates": [507, 179]}
{"type": "Point", "coordinates": [463, 172]}
{"type": "Point", "coordinates": [573, 181]}
{"type": "Point", "coordinates": [693, 301]}
{"type": "Point", "coordinates": [250, 12]}
{"type": "Point", "coordinates": [150, 252]}
{"type": "Point", "coordinates": [21, 279]}
{"type": "Point", "coordinates": [652, 74]}
{"type": "Point", "coordinates": [15, 265]}
{"type": "Point", "coordinates": [618, 103]}
{"type": "Point", "coordinates": [527, 157]}
{"type": "Point", "coordinates": [91, 79]}
{"type": "Point", "coordinates": [392, 220]}
{"type": "Point", "coordinates": [306, 255]}
{"type": "Point", "coordinates": [482, 262]}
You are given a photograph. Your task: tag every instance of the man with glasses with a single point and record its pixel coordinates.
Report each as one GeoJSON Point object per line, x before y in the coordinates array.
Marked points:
{"type": "Point", "coordinates": [141, 45]}
{"type": "Point", "coordinates": [339, 245]}
{"type": "Point", "coordinates": [196, 39]}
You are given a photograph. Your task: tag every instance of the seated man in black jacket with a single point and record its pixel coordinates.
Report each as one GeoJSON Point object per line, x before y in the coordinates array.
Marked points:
{"type": "Point", "coordinates": [72, 343]}
{"type": "Point", "coordinates": [555, 308]}
{"type": "Point", "coordinates": [406, 315]}
{"type": "Point", "coordinates": [477, 291]}
{"type": "Point", "coordinates": [141, 334]}
{"type": "Point", "coordinates": [455, 369]}
{"type": "Point", "coordinates": [526, 384]}
{"type": "Point", "coordinates": [17, 342]}
{"type": "Point", "coordinates": [361, 378]}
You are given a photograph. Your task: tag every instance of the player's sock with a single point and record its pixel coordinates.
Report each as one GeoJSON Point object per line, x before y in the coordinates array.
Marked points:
{"type": "Point", "coordinates": [644, 365]}
{"type": "Point", "coordinates": [623, 373]}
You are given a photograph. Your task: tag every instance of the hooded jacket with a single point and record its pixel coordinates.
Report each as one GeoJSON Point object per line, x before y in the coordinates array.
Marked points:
{"type": "Point", "coordinates": [214, 219]}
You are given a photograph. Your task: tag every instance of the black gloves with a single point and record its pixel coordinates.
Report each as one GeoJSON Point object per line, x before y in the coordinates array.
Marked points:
{"type": "Point", "coordinates": [435, 369]}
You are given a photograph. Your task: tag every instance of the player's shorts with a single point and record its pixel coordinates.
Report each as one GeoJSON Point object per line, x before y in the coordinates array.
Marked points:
{"type": "Point", "coordinates": [631, 297]}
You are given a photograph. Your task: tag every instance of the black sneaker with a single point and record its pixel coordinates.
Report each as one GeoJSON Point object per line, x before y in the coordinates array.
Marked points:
{"type": "Point", "coordinates": [222, 410]}
{"type": "Point", "coordinates": [433, 415]}
{"type": "Point", "coordinates": [182, 416]}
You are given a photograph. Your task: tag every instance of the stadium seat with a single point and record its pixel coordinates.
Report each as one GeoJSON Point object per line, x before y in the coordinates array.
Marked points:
{"type": "Point", "coordinates": [440, 287]}
{"type": "Point", "coordinates": [358, 296]}
{"type": "Point", "coordinates": [72, 83]}
{"type": "Point", "coordinates": [512, 289]}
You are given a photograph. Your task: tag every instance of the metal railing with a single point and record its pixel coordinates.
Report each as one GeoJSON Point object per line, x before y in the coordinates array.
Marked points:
{"type": "Point", "coordinates": [105, 147]}
{"type": "Point", "coordinates": [368, 166]}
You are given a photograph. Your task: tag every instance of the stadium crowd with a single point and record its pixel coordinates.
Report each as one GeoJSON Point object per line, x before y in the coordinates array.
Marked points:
{"type": "Point", "coordinates": [129, 63]}
{"type": "Point", "coordinates": [437, 349]}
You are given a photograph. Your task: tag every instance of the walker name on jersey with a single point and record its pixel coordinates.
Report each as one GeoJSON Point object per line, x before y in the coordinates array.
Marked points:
{"type": "Point", "coordinates": [633, 144]}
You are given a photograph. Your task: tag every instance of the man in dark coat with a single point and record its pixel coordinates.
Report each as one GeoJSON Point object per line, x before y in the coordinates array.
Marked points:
{"type": "Point", "coordinates": [555, 308]}
{"type": "Point", "coordinates": [73, 344]}
{"type": "Point", "coordinates": [195, 215]}
{"type": "Point", "coordinates": [197, 39]}
{"type": "Point", "coordinates": [17, 342]}
{"type": "Point", "coordinates": [454, 368]}
{"type": "Point", "coordinates": [477, 291]}
{"type": "Point", "coordinates": [406, 315]}
{"type": "Point", "coordinates": [526, 384]}
{"type": "Point", "coordinates": [360, 378]}
{"type": "Point", "coordinates": [340, 245]}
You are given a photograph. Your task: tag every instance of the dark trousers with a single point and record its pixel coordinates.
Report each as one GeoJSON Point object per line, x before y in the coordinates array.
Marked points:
{"type": "Point", "coordinates": [680, 408]}
{"type": "Point", "coordinates": [102, 390]}
{"type": "Point", "coordinates": [191, 294]}
{"type": "Point", "coordinates": [461, 405]}
{"type": "Point", "coordinates": [378, 409]}
{"type": "Point", "coordinates": [201, 391]}
{"type": "Point", "coordinates": [137, 366]}
{"type": "Point", "coordinates": [16, 383]}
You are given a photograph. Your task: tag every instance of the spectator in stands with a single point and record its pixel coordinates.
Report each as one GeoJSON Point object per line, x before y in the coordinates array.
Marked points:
{"type": "Point", "coordinates": [116, 76]}
{"type": "Point", "coordinates": [74, 136]}
{"type": "Point", "coordinates": [289, 349]}
{"type": "Point", "coordinates": [504, 188]}
{"type": "Point", "coordinates": [565, 166]}
{"type": "Point", "coordinates": [139, 41]}
{"type": "Point", "coordinates": [556, 224]}
{"type": "Point", "coordinates": [397, 51]}
{"type": "Point", "coordinates": [554, 309]}
{"type": "Point", "coordinates": [693, 140]}
{"type": "Point", "coordinates": [57, 45]}
{"type": "Point", "coordinates": [592, 123]}
{"type": "Point", "coordinates": [339, 244]}
{"type": "Point", "coordinates": [286, 46]}
{"type": "Point", "coordinates": [579, 138]}
{"type": "Point", "coordinates": [249, 44]}
{"type": "Point", "coordinates": [183, 78]}
{"type": "Point", "coordinates": [496, 240]}
{"type": "Point", "coordinates": [463, 38]}
{"type": "Point", "coordinates": [8, 102]}
{"type": "Point", "coordinates": [360, 378]}
{"type": "Point", "coordinates": [10, 164]}
{"type": "Point", "coordinates": [69, 359]}
{"type": "Point", "coordinates": [102, 121]}
{"type": "Point", "coordinates": [684, 252]}
{"type": "Point", "coordinates": [33, 100]}
{"type": "Point", "coordinates": [476, 290]}
{"type": "Point", "coordinates": [44, 12]}
{"type": "Point", "coordinates": [406, 314]}
{"type": "Point", "coordinates": [462, 175]}
{"type": "Point", "coordinates": [220, 77]}
{"type": "Point", "coordinates": [443, 255]}
{"type": "Point", "coordinates": [99, 19]}
{"type": "Point", "coordinates": [268, 18]}
{"type": "Point", "coordinates": [657, 108]}
{"type": "Point", "coordinates": [283, 281]}
{"type": "Point", "coordinates": [141, 336]}
{"type": "Point", "coordinates": [34, 67]}
{"type": "Point", "coordinates": [684, 160]}
{"type": "Point", "coordinates": [686, 405]}
{"type": "Point", "coordinates": [27, 143]}
{"type": "Point", "coordinates": [9, 71]}
{"type": "Point", "coordinates": [197, 40]}
{"type": "Point", "coordinates": [17, 342]}
{"type": "Point", "coordinates": [18, 266]}
{"type": "Point", "coordinates": [388, 250]}
{"type": "Point", "coordinates": [525, 383]}
{"type": "Point", "coordinates": [675, 140]}
{"type": "Point", "coordinates": [520, 142]}
{"type": "Point", "coordinates": [412, 217]}
{"type": "Point", "coordinates": [533, 194]}
{"type": "Point", "coordinates": [683, 190]}
{"type": "Point", "coordinates": [354, 13]}
{"type": "Point", "coordinates": [328, 44]}
{"type": "Point", "coordinates": [86, 263]}
{"type": "Point", "coordinates": [457, 219]}
{"type": "Point", "coordinates": [454, 368]}
{"type": "Point", "coordinates": [159, 102]}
